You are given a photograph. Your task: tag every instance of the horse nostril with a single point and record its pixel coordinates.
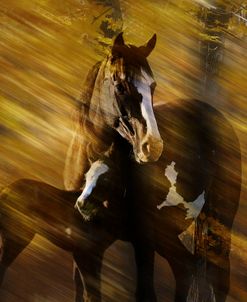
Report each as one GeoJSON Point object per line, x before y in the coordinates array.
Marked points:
{"type": "Point", "coordinates": [146, 148]}
{"type": "Point", "coordinates": [150, 150]}
{"type": "Point", "coordinates": [79, 203]}
{"type": "Point", "coordinates": [106, 204]}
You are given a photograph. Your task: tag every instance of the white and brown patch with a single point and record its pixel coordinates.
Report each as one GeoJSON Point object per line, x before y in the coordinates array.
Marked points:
{"type": "Point", "coordinates": [193, 208]}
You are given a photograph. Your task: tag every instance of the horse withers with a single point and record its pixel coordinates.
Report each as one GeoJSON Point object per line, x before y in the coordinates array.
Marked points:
{"type": "Point", "coordinates": [117, 100]}
{"type": "Point", "coordinates": [183, 205]}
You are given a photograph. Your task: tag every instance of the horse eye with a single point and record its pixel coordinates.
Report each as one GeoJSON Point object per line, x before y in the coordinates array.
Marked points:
{"type": "Point", "coordinates": [120, 88]}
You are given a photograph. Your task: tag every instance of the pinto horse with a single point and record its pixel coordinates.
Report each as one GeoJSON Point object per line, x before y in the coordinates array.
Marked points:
{"type": "Point", "coordinates": [183, 205]}
{"type": "Point", "coordinates": [117, 100]}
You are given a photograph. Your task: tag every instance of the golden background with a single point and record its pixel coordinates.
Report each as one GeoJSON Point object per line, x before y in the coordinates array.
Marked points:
{"type": "Point", "coordinates": [46, 49]}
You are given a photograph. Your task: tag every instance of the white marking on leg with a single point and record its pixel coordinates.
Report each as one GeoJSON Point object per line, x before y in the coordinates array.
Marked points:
{"type": "Point", "coordinates": [213, 298]}
{"type": "Point", "coordinates": [200, 289]}
{"type": "Point", "coordinates": [97, 168]}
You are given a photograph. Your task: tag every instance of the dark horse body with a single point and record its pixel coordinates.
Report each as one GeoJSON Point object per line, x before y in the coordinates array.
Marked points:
{"type": "Point", "coordinates": [29, 207]}
{"type": "Point", "coordinates": [202, 186]}
{"type": "Point", "coordinates": [183, 205]}
{"type": "Point", "coordinates": [205, 154]}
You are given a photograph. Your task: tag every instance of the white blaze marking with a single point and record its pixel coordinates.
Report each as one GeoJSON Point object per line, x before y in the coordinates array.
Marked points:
{"type": "Point", "coordinates": [98, 168]}
{"type": "Point", "coordinates": [143, 87]}
{"type": "Point", "coordinates": [173, 198]}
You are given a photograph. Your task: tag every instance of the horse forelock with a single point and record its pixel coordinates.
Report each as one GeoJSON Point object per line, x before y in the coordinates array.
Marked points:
{"type": "Point", "coordinates": [95, 99]}
{"type": "Point", "coordinates": [137, 59]}
{"type": "Point", "coordinates": [129, 63]}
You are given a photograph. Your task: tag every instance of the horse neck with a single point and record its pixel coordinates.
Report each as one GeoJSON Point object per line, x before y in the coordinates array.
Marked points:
{"type": "Point", "coordinates": [100, 112]}
{"type": "Point", "coordinates": [100, 139]}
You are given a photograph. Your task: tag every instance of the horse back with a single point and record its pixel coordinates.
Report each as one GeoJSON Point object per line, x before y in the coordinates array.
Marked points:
{"type": "Point", "coordinates": [34, 202]}
{"type": "Point", "coordinates": [205, 150]}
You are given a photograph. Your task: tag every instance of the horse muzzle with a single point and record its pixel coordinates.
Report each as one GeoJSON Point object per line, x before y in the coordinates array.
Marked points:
{"type": "Point", "coordinates": [149, 150]}
{"type": "Point", "coordinates": [88, 210]}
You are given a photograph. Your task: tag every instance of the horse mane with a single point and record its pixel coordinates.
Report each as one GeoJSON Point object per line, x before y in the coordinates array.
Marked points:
{"type": "Point", "coordinates": [83, 103]}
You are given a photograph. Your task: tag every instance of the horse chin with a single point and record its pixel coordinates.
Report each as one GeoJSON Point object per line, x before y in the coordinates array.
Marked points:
{"type": "Point", "coordinates": [92, 212]}
{"type": "Point", "coordinates": [88, 214]}
{"type": "Point", "coordinates": [141, 158]}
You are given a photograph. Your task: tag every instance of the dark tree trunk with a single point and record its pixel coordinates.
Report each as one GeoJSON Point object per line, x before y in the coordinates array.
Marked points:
{"type": "Point", "coordinates": [216, 21]}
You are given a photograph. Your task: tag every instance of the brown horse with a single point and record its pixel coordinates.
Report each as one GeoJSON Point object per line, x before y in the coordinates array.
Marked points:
{"type": "Point", "coordinates": [29, 207]}
{"type": "Point", "coordinates": [117, 100]}
{"type": "Point", "coordinates": [183, 205]}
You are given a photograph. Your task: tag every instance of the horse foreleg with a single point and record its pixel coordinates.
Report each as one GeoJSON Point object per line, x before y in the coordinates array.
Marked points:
{"type": "Point", "coordinates": [213, 251]}
{"type": "Point", "coordinates": [218, 264]}
{"type": "Point", "coordinates": [183, 279]}
{"type": "Point", "coordinates": [182, 265]}
{"type": "Point", "coordinates": [79, 286]}
{"type": "Point", "coordinates": [10, 247]}
{"type": "Point", "coordinates": [87, 275]}
{"type": "Point", "coordinates": [219, 281]}
{"type": "Point", "coordinates": [144, 257]}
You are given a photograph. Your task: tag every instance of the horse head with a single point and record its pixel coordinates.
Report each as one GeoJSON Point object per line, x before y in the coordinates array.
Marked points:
{"type": "Point", "coordinates": [99, 191]}
{"type": "Point", "coordinates": [123, 98]}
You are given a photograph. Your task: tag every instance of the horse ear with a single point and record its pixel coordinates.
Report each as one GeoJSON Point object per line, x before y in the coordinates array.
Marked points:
{"type": "Point", "coordinates": [118, 42]}
{"type": "Point", "coordinates": [148, 47]}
